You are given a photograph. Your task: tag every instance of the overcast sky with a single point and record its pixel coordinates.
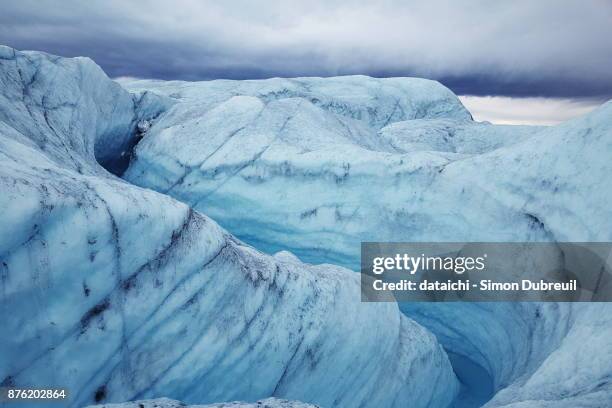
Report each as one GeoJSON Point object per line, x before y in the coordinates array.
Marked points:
{"type": "Point", "coordinates": [536, 48]}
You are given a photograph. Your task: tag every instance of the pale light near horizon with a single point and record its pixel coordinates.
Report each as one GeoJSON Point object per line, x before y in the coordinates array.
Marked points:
{"type": "Point", "coordinates": [526, 111]}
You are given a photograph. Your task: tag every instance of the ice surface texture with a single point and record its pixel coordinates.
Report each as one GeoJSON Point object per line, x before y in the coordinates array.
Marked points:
{"type": "Point", "coordinates": [118, 292]}
{"type": "Point", "coordinates": [318, 165]}
{"type": "Point", "coordinates": [168, 403]}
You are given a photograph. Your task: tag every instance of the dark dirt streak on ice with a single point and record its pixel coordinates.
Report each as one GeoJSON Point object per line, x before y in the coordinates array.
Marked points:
{"type": "Point", "coordinates": [252, 161]}
{"type": "Point", "coordinates": [231, 247]}
{"type": "Point", "coordinates": [127, 283]}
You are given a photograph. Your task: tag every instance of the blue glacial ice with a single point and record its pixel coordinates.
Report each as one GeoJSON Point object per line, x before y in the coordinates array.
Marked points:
{"type": "Point", "coordinates": [168, 403]}
{"type": "Point", "coordinates": [118, 292]}
{"type": "Point", "coordinates": [317, 165]}
{"type": "Point", "coordinates": [122, 289]}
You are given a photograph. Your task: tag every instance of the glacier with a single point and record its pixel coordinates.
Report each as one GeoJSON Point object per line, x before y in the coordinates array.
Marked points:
{"type": "Point", "coordinates": [292, 172]}
{"type": "Point", "coordinates": [248, 159]}
{"type": "Point", "coordinates": [116, 292]}
{"type": "Point", "coordinates": [122, 289]}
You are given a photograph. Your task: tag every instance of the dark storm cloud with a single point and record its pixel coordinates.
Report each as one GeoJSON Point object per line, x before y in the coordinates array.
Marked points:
{"type": "Point", "coordinates": [520, 48]}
